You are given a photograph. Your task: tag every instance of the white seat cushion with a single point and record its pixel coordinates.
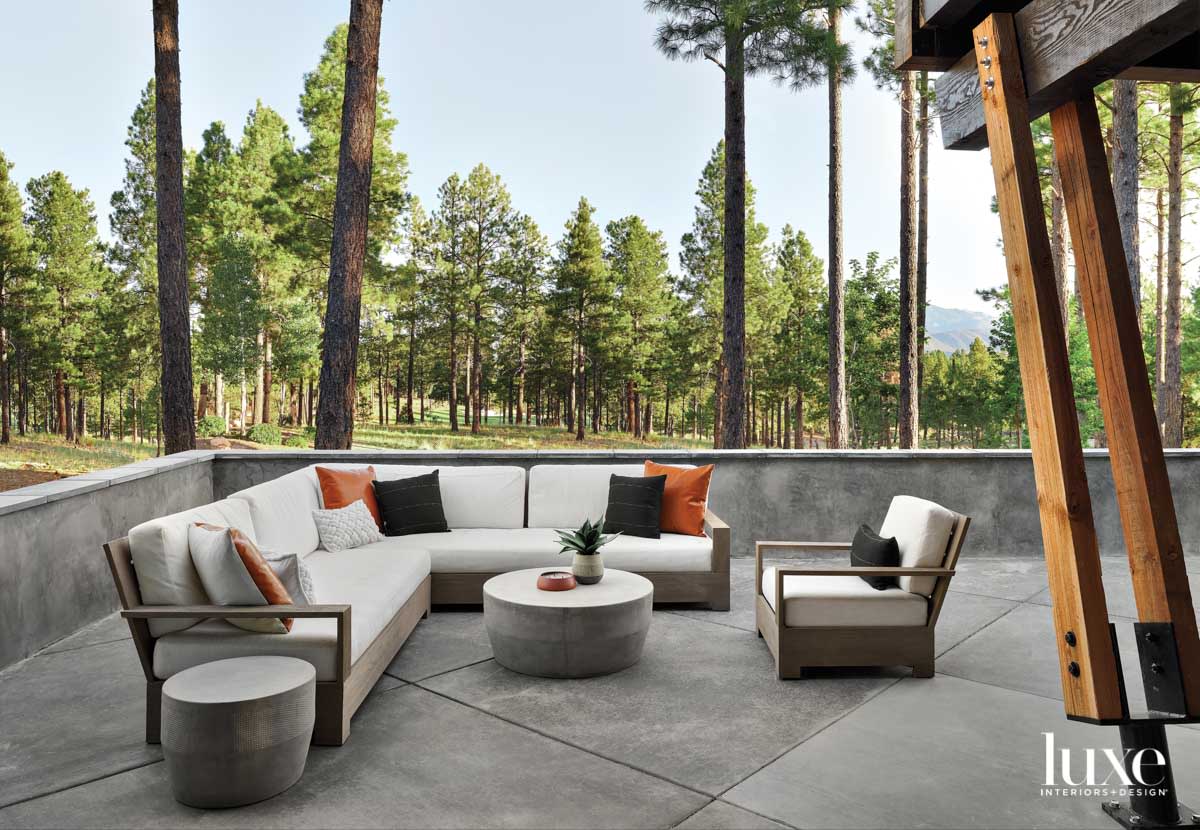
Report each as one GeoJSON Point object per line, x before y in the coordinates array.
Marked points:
{"type": "Point", "coordinates": [476, 550]}
{"type": "Point", "coordinates": [567, 495]}
{"type": "Point", "coordinates": [843, 601]}
{"type": "Point", "coordinates": [482, 496]}
{"type": "Point", "coordinates": [163, 561]}
{"type": "Point", "coordinates": [375, 580]}
{"type": "Point", "coordinates": [282, 512]}
{"type": "Point", "coordinates": [922, 530]}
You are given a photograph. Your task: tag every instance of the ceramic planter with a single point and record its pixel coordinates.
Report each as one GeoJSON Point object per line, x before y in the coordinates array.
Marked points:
{"type": "Point", "coordinates": [588, 569]}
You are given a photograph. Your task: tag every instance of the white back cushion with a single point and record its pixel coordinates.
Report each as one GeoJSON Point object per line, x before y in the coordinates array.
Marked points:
{"type": "Point", "coordinates": [922, 530]}
{"type": "Point", "coordinates": [488, 496]}
{"type": "Point", "coordinates": [163, 561]}
{"type": "Point", "coordinates": [282, 512]}
{"type": "Point", "coordinates": [566, 495]}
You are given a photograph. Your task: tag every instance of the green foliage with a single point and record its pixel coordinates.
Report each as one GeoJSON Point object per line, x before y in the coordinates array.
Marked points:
{"type": "Point", "coordinates": [587, 540]}
{"type": "Point", "coordinates": [265, 433]}
{"type": "Point", "coordinates": [211, 426]}
{"type": "Point", "coordinates": [298, 441]}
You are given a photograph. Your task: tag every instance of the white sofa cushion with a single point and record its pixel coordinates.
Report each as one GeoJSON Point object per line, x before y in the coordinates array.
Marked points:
{"type": "Point", "coordinates": [843, 601]}
{"type": "Point", "coordinates": [922, 530]}
{"type": "Point", "coordinates": [163, 561]}
{"type": "Point", "coordinates": [373, 580]}
{"type": "Point", "coordinates": [482, 496]}
{"type": "Point", "coordinates": [282, 512]}
{"type": "Point", "coordinates": [565, 495]}
{"type": "Point", "coordinates": [474, 550]}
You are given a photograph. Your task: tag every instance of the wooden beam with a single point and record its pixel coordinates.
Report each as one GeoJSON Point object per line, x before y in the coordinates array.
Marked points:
{"type": "Point", "coordinates": [1091, 689]}
{"type": "Point", "coordinates": [945, 13]}
{"type": "Point", "coordinates": [1066, 47]}
{"type": "Point", "coordinates": [919, 46]}
{"type": "Point", "coordinates": [1160, 580]}
{"type": "Point", "coordinates": [1178, 62]}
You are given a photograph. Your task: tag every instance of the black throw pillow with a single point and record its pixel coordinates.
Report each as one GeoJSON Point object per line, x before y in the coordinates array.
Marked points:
{"type": "Point", "coordinates": [869, 550]}
{"type": "Point", "coordinates": [634, 505]}
{"type": "Point", "coordinates": [411, 505]}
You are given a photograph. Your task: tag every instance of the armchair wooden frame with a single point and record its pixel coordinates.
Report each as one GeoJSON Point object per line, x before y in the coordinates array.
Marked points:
{"type": "Point", "coordinates": [337, 699]}
{"type": "Point", "coordinates": [796, 649]}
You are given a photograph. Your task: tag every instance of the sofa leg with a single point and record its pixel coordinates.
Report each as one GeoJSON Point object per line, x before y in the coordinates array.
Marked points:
{"type": "Point", "coordinates": [923, 669]}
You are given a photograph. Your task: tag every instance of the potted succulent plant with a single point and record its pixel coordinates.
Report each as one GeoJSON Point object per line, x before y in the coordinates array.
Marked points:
{"type": "Point", "coordinates": [586, 542]}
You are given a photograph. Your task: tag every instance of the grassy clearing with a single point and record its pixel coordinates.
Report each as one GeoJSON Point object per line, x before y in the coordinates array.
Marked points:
{"type": "Point", "coordinates": [39, 457]}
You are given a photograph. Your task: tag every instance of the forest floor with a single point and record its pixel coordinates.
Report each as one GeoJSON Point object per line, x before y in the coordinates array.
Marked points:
{"type": "Point", "coordinates": [38, 457]}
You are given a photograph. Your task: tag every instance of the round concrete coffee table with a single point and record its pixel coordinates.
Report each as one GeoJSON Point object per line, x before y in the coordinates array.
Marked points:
{"type": "Point", "coordinates": [587, 631]}
{"type": "Point", "coordinates": [237, 731]}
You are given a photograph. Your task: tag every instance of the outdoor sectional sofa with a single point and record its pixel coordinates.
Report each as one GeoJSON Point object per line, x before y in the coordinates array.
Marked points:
{"type": "Point", "coordinates": [369, 599]}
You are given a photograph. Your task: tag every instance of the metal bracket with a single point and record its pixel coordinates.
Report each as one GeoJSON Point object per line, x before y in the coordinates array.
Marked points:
{"type": "Point", "coordinates": [1161, 675]}
{"type": "Point", "coordinates": [1127, 818]}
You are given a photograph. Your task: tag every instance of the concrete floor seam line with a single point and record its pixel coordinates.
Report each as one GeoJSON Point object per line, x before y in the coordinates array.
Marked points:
{"type": "Point", "coordinates": [756, 813]}
{"type": "Point", "coordinates": [437, 674]}
{"type": "Point", "coordinates": [565, 742]}
{"type": "Point", "coordinates": [47, 653]}
{"type": "Point", "coordinates": [677, 824]}
{"type": "Point", "coordinates": [79, 784]}
{"type": "Point", "coordinates": [809, 737]}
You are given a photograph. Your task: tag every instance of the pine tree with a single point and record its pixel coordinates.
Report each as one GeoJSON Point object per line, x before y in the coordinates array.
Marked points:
{"type": "Point", "coordinates": [15, 269]}
{"type": "Point", "coordinates": [802, 339]}
{"type": "Point", "coordinates": [785, 39]}
{"type": "Point", "coordinates": [523, 285]}
{"type": "Point", "coordinates": [178, 413]}
{"type": "Point", "coordinates": [582, 295]}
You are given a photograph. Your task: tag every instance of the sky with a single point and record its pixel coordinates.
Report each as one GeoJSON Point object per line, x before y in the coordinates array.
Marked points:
{"type": "Point", "coordinates": [562, 98]}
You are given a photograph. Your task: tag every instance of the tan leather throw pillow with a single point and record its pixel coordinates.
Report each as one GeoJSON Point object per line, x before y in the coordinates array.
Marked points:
{"type": "Point", "coordinates": [684, 497]}
{"type": "Point", "coordinates": [342, 487]}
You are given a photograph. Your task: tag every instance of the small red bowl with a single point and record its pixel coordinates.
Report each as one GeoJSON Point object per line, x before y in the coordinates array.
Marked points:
{"type": "Point", "coordinates": [556, 581]}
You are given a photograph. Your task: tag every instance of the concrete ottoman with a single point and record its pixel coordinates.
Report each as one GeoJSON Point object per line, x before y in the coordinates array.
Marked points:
{"type": "Point", "coordinates": [587, 631]}
{"type": "Point", "coordinates": [237, 731]}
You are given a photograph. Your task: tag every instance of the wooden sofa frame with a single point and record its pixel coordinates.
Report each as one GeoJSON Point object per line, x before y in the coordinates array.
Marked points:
{"type": "Point", "coordinates": [337, 700]}
{"type": "Point", "coordinates": [708, 587]}
{"type": "Point", "coordinates": [796, 649]}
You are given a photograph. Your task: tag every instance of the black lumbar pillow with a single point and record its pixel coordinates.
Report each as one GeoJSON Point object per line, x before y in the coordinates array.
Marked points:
{"type": "Point", "coordinates": [870, 550]}
{"type": "Point", "coordinates": [411, 505]}
{"type": "Point", "coordinates": [634, 505]}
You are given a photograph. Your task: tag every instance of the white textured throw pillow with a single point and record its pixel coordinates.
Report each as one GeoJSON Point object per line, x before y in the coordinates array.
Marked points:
{"type": "Point", "coordinates": [294, 575]}
{"type": "Point", "coordinates": [347, 527]}
{"type": "Point", "coordinates": [225, 578]}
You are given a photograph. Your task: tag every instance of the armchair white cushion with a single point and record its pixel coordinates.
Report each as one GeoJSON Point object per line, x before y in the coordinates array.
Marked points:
{"type": "Point", "coordinates": [922, 530]}
{"type": "Point", "coordinates": [843, 602]}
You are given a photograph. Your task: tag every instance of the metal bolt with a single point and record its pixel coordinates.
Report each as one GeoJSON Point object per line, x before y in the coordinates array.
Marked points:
{"type": "Point", "coordinates": [1150, 637]}
{"type": "Point", "coordinates": [987, 61]}
{"type": "Point", "coordinates": [1195, 818]}
{"type": "Point", "coordinates": [983, 41]}
{"type": "Point", "coordinates": [990, 82]}
{"type": "Point", "coordinates": [1135, 819]}
{"type": "Point", "coordinates": [1112, 805]}
{"type": "Point", "coordinates": [1073, 668]}
{"type": "Point", "coordinates": [1070, 638]}
{"type": "Point", "coordinates": [1157, 668]}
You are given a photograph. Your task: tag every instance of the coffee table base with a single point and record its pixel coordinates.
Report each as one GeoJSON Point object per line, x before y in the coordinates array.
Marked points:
{"type": "Point", "coordinates": [567, 642]}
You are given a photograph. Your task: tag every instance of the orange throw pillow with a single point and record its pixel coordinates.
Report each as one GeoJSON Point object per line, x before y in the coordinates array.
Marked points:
{"type": "Point", "coordinates": [343, 487]}
{"type": "Point", "coordinates": [260, 571]}
{"type": "Point", "coordinates": [683, 498]}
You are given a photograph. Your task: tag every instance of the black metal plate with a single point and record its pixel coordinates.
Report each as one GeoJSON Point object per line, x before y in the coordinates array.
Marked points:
{"type": "Point", "coordinates": [1160, 667]}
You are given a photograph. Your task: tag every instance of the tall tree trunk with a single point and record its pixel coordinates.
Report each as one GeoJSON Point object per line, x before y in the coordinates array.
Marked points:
{"type": "Point", "coordinates": [909, 402]}
{"type": "Point", "coordinates": [453, 394]}
{"type": "Point", "coordinates": [335, 409]}
{"type": "Point", "coordinates": [1058, 243]}
{"type": "Point", "coordinates": [219, 396]}
{"type": "Point", "coordinates": [521, 347]}
{"type": "Point", "coordinates": [799, 420]}
{"type": "Point", "coordinates": [837, 288]}
{"type": "Point", "coordinates": [178, 411]}
{"type": "Point", "coordinates": [1160, 295]}
{"type": "Point", "coordinates": [80, 417]}
{"type": "Point", "coordinates": [267, 378]}
{"type": "Point", "coordinates": [476, 371]}
{"type": "Point", "coordinates": [1170, 406]}
{"type": "Point", "coordinates": [923, 133]}
{"type": "Point", "coordinates": [5, 384]}
{"type": "Point", "coordinates": [68, 425]}
{"type": "Point", "coordinates": [580, 391]}
{"type": "Point", "coordinates": [733, 347]}
{"type": "Point", "coordinates": [631, 418]}
{"type": "Point", "coordinates": [202, 403]}
{"type": "Point", "coordinates": [260, 388]}
{"type": "Point", "coordinates": [412, 344]}
{"type": "Point", "coordinates": [1125, 165]}
{"type": "Point", "coordinates": [60, 403]}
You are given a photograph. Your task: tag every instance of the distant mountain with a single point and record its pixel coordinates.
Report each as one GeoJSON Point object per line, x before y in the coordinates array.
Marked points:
{"type": "Point", "coordinates": [953, 329]}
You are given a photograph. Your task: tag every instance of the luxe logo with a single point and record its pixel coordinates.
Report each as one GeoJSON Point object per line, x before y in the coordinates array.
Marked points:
{"type": "Point", "coordinates": [1129, 769]}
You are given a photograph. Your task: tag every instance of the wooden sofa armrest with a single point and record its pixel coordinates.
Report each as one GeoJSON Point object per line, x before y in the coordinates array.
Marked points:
{"type": "Point", "coordinates": [759, 547]}
{"type": "Point", "coordinates": [865, 571]}
{"type": "Point", "coordinates": [257, 612]}
{"type": "Point", "coordinates": [716, 528]}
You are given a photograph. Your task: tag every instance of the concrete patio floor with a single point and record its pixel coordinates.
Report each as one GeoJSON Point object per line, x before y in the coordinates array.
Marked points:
{"type": "Point", "coordinates": [698, 735]}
